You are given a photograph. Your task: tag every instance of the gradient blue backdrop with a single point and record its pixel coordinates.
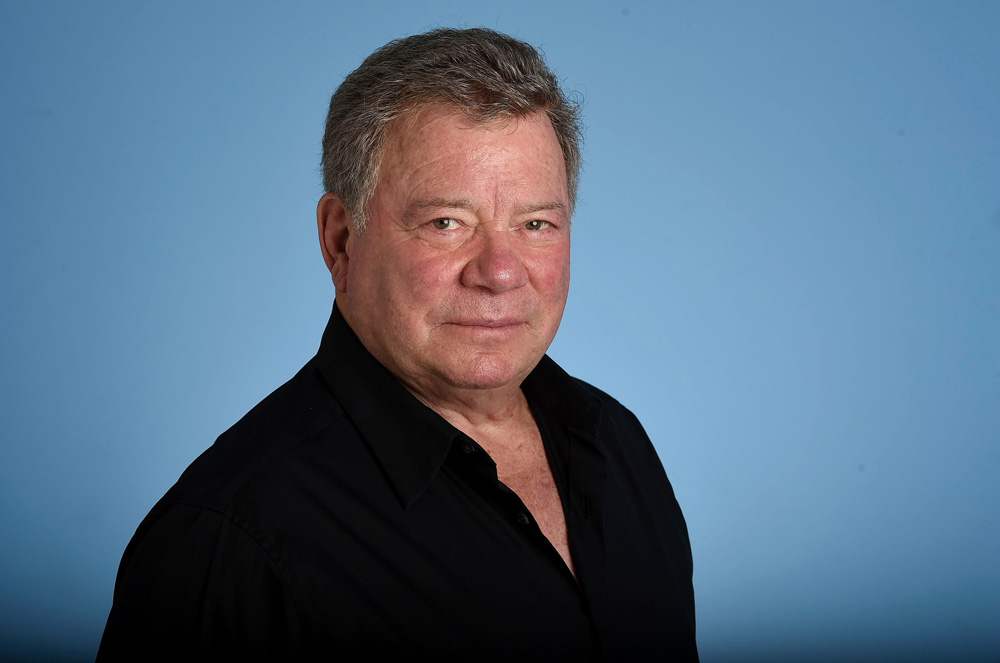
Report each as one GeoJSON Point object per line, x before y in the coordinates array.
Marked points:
{"type": "Point", "coordinates": [786, 262]}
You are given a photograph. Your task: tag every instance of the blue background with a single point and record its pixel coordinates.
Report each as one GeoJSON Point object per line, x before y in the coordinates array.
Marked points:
{"type": "Point", "coordinates": [786, 262]}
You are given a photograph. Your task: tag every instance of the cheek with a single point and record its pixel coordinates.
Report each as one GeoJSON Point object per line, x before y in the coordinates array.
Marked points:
{"type": "Point", "coordinates": [419, 283]}
{"type": "Point", "coordinates": [551, 274]}
{"type": "Point", "coordinates": [363, 275]}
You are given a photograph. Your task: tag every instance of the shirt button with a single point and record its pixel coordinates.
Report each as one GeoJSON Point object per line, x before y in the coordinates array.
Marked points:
{"type": "Point", "coordinates": [523, 519]}
{"type": "Point", "coordinates": [468, 448]}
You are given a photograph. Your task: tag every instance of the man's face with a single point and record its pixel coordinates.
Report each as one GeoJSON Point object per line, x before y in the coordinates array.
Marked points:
{"type": "Point", "coordinates": [461, 277]}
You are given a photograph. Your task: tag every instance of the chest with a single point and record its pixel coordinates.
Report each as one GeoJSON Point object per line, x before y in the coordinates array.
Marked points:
{"type": "Point", "coordinates": [458, 566]}
{"type": "Point", "coordinates": [540, 495]}
{"type": "Point", "coordinates": [529, 475]}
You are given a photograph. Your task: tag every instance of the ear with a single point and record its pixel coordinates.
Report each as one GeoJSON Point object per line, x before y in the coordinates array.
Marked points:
{"type": "Point", "coordinates": [335, 229]}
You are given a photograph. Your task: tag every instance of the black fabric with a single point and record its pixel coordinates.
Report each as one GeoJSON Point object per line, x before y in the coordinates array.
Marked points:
{"type": "Point", "coordinates": [343, 519]}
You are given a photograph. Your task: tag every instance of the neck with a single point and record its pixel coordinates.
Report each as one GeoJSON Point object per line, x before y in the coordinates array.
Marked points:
{"type": "Point", "coordinates": [481, 414]}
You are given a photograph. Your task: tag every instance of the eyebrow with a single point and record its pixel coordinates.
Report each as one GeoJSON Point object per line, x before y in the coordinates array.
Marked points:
{"type": "Point", "coordinates": [546, 206]}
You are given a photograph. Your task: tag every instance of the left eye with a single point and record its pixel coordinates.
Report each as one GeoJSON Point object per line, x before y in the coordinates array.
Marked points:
{"type": "Point", "coordinates": [444, 224]}
{"type": "Point", "coordinates": [536, 224]}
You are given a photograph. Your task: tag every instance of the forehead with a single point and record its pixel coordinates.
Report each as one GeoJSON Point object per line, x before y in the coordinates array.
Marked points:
{"type": "Point", "coordinates": [439, 136]}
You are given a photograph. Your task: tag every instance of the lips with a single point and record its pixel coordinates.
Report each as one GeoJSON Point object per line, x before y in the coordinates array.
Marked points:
{"type": "Point", "coordinates": [505, 322]}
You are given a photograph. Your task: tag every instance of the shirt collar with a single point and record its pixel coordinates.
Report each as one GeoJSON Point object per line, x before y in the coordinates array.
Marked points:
{"type": "Point", "coordinates": [566, 399]}
{"type": "Point", "coordinates": [410, 440]}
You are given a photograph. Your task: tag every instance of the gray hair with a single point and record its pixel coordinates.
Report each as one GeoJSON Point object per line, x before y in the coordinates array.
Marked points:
{"type": "Point", "coordinates": [484, 74]}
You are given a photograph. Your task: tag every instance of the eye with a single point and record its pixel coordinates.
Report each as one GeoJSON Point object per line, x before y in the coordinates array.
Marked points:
{"type": "Point", "coordinates": [537, 224]}
{"type": "Point", "coordinates": [444, 224]}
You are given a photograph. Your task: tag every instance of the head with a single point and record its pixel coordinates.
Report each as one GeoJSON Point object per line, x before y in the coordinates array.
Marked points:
{"type": "Point", "coordinates": [451, 159]}
{"type": "Point", "coordinates": [485, 75]}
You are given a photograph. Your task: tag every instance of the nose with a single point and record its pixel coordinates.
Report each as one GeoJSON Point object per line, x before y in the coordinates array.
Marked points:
{"type": "Point", "coordinates": [495, 264]}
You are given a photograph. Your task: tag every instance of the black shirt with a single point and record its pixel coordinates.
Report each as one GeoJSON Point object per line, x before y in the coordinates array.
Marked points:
{"type": "Point", "coordinates": [341, 518]}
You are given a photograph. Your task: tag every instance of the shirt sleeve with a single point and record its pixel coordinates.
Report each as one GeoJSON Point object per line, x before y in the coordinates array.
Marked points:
{"type": "Point", "coordinates": [196, 586]}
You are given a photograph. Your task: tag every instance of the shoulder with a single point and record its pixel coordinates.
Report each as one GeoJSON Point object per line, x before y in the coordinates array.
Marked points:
{"type": "Point", "coordinates": [615, 417]}
{"type": "Point", "coordinates": [258, 447]}
{"type": "Point", "coordinates": [583, 407]}
{"type": "Point", "coordinates": [619, 425]}
{"type": "Point", "coordinates": [236, 496]}
{"type": "Point", "coordinates": [607, 401]}
{"type": "Point", "coordinates": [623, 441]}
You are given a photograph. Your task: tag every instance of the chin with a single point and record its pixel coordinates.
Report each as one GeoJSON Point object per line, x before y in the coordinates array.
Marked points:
{"type": "Point", "coordinates": [488, 372]}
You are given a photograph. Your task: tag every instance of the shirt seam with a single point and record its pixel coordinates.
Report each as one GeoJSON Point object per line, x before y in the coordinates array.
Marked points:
{"type": "Point", "coordinates": [243, 525]}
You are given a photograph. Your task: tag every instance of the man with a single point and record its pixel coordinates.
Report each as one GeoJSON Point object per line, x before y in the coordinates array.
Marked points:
{"type": "Point", "coordinates": [430, 485]}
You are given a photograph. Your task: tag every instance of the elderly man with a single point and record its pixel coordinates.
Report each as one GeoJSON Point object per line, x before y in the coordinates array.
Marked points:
{"type": "Point", "coordinates": [430, 485]}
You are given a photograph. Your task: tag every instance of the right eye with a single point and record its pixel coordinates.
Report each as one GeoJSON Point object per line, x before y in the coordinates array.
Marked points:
{"type": "Point", "coordinates": [444, 224]}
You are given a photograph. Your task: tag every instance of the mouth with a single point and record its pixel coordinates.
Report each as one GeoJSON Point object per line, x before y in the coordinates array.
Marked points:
{"type": "Point", "coordinates": [487, 323]}
{"type": "Point", "coordinates": [488, 330]}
